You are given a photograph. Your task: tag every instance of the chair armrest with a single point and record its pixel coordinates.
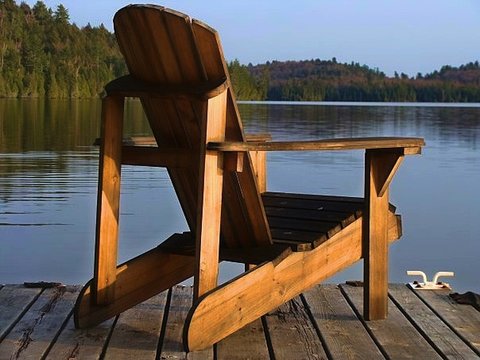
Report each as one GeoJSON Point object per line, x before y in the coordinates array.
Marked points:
{"type": "Point", "coordinates": [410, 145]}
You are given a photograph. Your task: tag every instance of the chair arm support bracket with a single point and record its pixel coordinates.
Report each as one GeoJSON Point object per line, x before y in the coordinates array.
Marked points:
{"type": "Point", "coordinates": [383, 165]}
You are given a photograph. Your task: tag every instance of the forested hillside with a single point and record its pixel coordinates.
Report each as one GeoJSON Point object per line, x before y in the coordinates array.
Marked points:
{"type": "Point", "coordinates": [331, 81]}
{"type": "Point", "coordinates": [42, 54]}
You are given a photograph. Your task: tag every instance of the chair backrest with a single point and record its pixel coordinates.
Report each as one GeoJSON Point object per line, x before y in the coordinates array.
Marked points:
{"type": "Point", "coordinates": [165, 47]}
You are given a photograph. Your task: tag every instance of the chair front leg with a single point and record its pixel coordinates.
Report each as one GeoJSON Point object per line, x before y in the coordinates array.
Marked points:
{"type": "Point", "coordinates": [380, 167]}
{"type": "Point", "coordinates": [209, 206]}
{"type": "Point", "coordinates": [108, 201]}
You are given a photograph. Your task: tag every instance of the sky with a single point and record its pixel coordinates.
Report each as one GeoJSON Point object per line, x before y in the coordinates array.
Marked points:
{"type": "Point", "coordinates": [408, 36]}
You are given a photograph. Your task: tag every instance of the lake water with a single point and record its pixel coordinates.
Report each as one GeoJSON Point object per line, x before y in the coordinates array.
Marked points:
{"type": "Point", "coordinates": [48, 174]}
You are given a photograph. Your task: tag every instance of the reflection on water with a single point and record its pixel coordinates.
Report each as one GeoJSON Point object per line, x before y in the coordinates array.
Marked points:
{"type": "Point", "coordinates": [49, 168]}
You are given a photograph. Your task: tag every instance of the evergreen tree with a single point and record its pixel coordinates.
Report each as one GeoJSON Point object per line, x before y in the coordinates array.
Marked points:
{"type": "Point", "coordinates": [43, 54]}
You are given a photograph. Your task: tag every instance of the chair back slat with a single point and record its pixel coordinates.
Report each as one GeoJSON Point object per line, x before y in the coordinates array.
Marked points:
{"type": "Point", "coordinates": [162, 46]}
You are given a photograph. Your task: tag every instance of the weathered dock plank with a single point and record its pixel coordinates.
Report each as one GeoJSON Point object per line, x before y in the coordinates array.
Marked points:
{"type": "Point", "coordinates": [396, 336]}
{"type": "Point", "coordinates": [85, 344]}
{"type": "Point", "coordinates": [137, 331]}
{"type": "Point", "coordinates": [32, 336]}
{"type": "Point", "coordinates": [292, 333]}
{"type": "Point", "coordinates": [323, 323]}
{"type": "Point", "coordinates": [14, 302]}
{"type": "Point", "coordinates": [247, 343]}
{"type": "Point", "coordinates": [344, 335]}
{"type": "Point", "coordinates": [463, 319]}
{"type": "Point", "coordinates": [172, 339]}
{"type": "Point", "coordinates": [442, 338]}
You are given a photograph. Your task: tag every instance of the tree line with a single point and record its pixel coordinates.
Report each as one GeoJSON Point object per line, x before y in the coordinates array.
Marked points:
{"type": "Point", "coordinates": [42, 54]}
{"type": "Point", "coordinates": [328, 80]}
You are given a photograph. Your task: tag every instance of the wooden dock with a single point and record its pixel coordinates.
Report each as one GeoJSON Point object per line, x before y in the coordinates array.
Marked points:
{"type": "Point", "coordinates": [323, 323]}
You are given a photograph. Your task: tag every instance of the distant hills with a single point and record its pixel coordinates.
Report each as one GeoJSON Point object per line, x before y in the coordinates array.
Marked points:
{"type": "Point", "coordinates": [328, 80]}
{"type": "Point", "coordinates": [42, 54]}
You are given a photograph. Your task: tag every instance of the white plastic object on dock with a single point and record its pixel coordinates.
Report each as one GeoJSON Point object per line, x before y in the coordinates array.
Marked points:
{"type": "Point", "coordinates": [435, 284]}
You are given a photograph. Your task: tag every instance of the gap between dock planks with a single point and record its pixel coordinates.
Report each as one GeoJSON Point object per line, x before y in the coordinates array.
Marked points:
{"type": "Point", "coordinates": [463, 320]}
{"type": "Point", "coordinates": [323, 323]}
{"type": "Point", "coordinates": [292, 333]}
{"type": "Point", "coordinates": [32, 335]}
{"type": "Point", "coordinates": [433, 328]}
{"type": "Point", "coordinates": [395, 335]}
{"type": "Point", "coordinates": [14, 302]}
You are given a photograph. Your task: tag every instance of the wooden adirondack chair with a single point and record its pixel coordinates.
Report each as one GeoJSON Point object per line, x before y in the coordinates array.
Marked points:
{"type": "Point", "coordinates": [291, 241]}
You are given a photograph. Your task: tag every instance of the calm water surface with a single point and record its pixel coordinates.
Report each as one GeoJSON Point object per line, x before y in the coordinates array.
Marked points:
{"type": "Point", "coordinates": [48, 172]}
